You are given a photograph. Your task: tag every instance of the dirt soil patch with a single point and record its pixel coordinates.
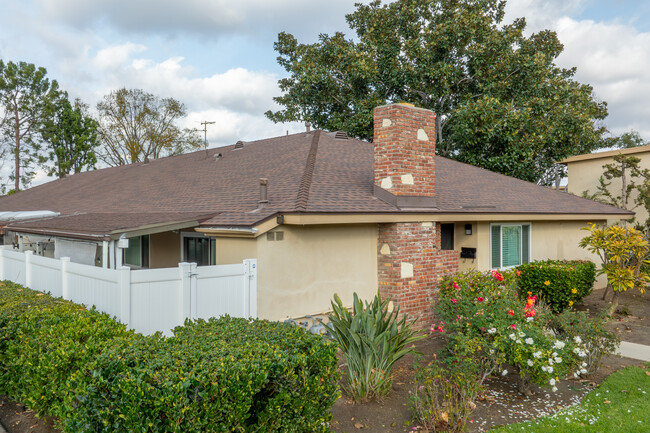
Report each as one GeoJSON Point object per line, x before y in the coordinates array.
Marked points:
{"type": "Point", "coordinates": [502, 403]}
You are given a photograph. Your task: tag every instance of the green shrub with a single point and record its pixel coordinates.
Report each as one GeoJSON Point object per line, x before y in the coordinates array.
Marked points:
{"type": "Point", "coordinates": [224, 374]}
{"type": "Point", "coordinates": [596, 340]}
{"type": "Point", "coordinates": [221, 375]}
{"type": "Point", "coordinates": [559, 283]}
{"type": "Point", "coordinates": [45, 340]}
{"type": "Point", "coordinates": [443, 397]}
{"type": "Point", "coordinates": [372, 340]}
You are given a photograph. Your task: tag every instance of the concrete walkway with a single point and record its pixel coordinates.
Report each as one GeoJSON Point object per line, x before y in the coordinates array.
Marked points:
{"type": "Point", "coordinates": [634, 351]}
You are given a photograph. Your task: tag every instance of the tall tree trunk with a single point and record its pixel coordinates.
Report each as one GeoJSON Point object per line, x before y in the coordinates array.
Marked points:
{"type": "Point", "coordinates": [608, 289]}
{"type": "Point", "coordinates": [17, 150]}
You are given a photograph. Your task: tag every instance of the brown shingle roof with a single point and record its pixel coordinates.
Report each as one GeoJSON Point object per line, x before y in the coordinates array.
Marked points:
{"type": "Point", "coordinates": [310, 172]}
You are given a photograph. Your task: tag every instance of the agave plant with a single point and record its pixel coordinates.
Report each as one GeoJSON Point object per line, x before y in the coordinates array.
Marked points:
{"type": "Point", "coordinates": [372, 339]}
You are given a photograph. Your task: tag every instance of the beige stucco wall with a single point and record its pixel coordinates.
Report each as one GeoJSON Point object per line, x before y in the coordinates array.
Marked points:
{"type": "Point", "coordinates": [232, 250]}
{"type": "Point", "coordinates": [584, 175]}
{"type": "Point", "coordinates": [164, 250]}
{"type": "Point", "coordinates": [300, 274]}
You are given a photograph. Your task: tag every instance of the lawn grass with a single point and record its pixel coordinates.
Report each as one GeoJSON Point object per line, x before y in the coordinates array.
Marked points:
{"type": "Point", "coordinates": [619, 404]}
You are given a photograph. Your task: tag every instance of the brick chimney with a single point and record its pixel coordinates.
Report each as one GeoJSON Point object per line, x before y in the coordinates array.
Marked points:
{"type": "Point", "coordinates": [405, 147]}
{"type": "Point", "coordinates": [409, 259]}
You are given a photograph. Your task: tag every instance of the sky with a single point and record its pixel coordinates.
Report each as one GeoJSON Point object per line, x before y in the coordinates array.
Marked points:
{"type": "Point", "coordinates": [217, 57]}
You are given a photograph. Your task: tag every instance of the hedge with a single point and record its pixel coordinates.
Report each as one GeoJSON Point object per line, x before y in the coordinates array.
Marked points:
{"type": "Point", "coordinates": [44, 340]}
{"type": "Point", "coordinates": [224, 374]}
{"type": "Point", "coordinates": [560, 283]}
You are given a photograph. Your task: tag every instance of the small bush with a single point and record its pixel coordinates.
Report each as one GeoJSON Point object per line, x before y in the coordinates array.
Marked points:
{"type": "Point", "coordinates": [559, 283]}
{"type": "Point", "coordinates": [596, 341]}
{"type": "Point", "coordinates": [443, 398]}
{"type": "Point", "coordinates": [44, 341]}
{"type": "Point", "coordinates": [372, 340]}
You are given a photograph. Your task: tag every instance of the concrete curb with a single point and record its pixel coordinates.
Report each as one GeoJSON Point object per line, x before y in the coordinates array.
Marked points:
{"type": "Point", "coordinates": [634, 351]}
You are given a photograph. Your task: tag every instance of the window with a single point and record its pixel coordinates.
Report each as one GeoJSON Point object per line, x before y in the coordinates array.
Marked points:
{"type": "Point", "coordinates": [137, 254]}
{"type": "Point", "coordinates": [509, 245]}
{"type": "Point", "coordinates": [446, 236]}
{"type": "Point", "coordinates": [199, 250]}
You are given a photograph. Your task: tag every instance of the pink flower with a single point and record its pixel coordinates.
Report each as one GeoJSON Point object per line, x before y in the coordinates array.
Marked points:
{"type": "Point", "coordinates": [480, 299]}
{"type": "Point", "coordinates": [453, 301]}
{"type": "Point", "coordinates": [455, 286]}
{"type": "Point", "coordinates": [513, 326]}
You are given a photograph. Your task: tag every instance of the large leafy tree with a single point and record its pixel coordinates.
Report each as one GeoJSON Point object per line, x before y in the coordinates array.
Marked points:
{"type": "Point", "coordinates": [25, 92]}
{"type": "Point", "coordinates": [501, 101]}
{"type": "Point", "coordinates": [136, 126]}
{"type": "Point", "coordinates": [71, 137]}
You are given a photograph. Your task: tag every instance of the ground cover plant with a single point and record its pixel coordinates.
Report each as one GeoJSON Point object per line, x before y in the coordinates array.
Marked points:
{"type": "Point", "coordinates": [619, 404]}
{"type": "Point", "coordinates": [372, 339]}
{"type": "Point", "coordinates": [226, 374]}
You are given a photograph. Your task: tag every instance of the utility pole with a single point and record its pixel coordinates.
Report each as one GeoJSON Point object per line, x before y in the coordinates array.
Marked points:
{"type": "Point", "coordinates": [205, 124]}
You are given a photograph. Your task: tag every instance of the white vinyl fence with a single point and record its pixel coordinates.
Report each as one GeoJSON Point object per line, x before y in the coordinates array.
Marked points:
{"type": "Point", "coordinates": [147, 300]}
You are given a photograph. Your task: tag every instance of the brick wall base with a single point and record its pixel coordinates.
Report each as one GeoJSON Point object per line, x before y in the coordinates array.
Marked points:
{"type": "Point", "coordinates": [410, 266]}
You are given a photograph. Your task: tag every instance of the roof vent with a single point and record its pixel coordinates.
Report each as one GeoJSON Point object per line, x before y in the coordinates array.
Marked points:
{"type": "Point", "coordinates": [341, 135]}
{"type": "Point", "coordinates": [218, 156]}
{"type": "Point", "coordinates": [239, 145]}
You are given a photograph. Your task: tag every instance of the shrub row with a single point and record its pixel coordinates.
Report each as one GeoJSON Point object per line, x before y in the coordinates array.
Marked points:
{"type": "Point", "coordinates": [224, 374]}
{"type": "Point", "coordinates": [560, 283]}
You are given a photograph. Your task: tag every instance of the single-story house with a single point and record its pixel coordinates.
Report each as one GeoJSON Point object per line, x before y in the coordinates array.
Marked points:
{"type": "Point", "coordinates": [321, 212]}
{"type": "Point", "coordinates": [584, 172]}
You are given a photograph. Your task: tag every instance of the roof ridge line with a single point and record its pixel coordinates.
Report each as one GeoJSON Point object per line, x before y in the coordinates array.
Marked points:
{"type": "Point", "coordinates": [305, 181]}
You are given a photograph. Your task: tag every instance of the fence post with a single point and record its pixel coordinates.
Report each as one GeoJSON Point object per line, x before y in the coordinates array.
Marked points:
{"type": "Point", "coordinates": [125, 295]}
{"type": "Point", "coordinates": [28, 268]}
{"type": "Point", "coordinates": [65, 290]}
{"type": "Point", "coordinates": [194, 280]}
{"type": "Point", "coordinates": [250, 285]}
{"type": "Point", "coordinates": [2, 263]}
{"type": "Point", "coordinates": [185, 270]}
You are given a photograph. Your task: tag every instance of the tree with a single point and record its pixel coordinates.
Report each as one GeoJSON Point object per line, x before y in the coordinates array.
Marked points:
{"type": "Point", "coordinates": [634, 184]}
{"type": "Point", "coordinates": [626, 140]}
{"type": "Point", "coordinates": [24, 93]}
{"type": "Point", "coordinates": [502, 103]}
{"type": "Point", "coordinates": [71, 135]}
{"type": "Point", "coordinates": [135, 126]}
{"type": "Point", "coordinates": [623, 251]}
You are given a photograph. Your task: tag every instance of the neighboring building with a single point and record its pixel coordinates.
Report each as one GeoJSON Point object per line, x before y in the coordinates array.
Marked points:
{"type": "Point", "coordinates": [321, 213]}
{"type": "Point", "coordinates": [585, 170]}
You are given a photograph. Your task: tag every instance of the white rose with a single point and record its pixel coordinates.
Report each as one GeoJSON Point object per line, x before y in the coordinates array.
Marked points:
{"type": "Point", "coordinates": [577, 339]}
{"type": "Point", "coordinates": [558, 360]}
{"type": "Point", "coordinates": [537, 354]}
{"type": "Point", "coordinates": [554, 389]}
{"type": "Point", "coordinates": [559, 344]}
{"type": "Point", "coordinates": [504, 373]}
{"type": "Point", "coordinates": [512, 336]}
{"type": "Point", "coordinates": [530, 363]}
{"type": "Point", "coordinates": [529, 341]}
{"type": "Point", "coordinates": [521, 334]}
{"type": "Point", "coordinates": [529, 319]}
{"type": "Point", "coordinates": [552, 382]}
{"type": "Point", "coordinates": [544, 369]}
{"type": "Point", "coordinates": [549, 369]}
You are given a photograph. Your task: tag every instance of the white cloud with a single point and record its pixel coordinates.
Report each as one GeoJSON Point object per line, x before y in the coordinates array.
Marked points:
{"type": "Point", "coordinates": [115, 56]}
{"type": "Point", "coordinates": [613, 58]}
{"type": "Point", "coordinates": [210, 17]}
